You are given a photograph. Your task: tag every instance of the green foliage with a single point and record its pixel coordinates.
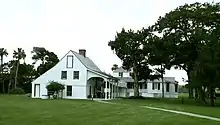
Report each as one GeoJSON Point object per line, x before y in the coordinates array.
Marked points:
{"type": "Point", "coordinates": [55, 87]}
{"type": "Point", "coordinates": [17, 91]}
{"type": "Point", "coordinates": [48, 59]}
{"type": "Point", "coordinates": [128, 46]}
{"type": "Point", "coordinates": [135, 97]}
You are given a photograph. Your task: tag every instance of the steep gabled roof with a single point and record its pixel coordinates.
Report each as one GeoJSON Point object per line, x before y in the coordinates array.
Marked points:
{"type": "Point", "coordinates": [87, 62]}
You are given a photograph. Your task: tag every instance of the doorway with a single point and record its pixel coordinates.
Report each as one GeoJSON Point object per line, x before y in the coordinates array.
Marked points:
{"type": "Point", "coordinates": [37, 90]}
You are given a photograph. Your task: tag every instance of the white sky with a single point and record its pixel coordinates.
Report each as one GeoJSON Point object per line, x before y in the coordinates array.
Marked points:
{"type": "Point", "coordinates": [61, 25]}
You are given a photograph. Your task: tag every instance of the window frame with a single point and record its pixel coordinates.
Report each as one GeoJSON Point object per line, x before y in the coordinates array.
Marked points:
{"type": "Point", "coordinates": [167, 87]}
{"type": "Point", "coordinates": [176, 87]}
{"type": "Point", "coordinates": [67, 94]}
{"type": "Point", "coordinates": [121, 74]}
{"type": "Point", "coordinates": [68, 56]}
{"type": "Point", "coordinates": [74, 75]}
{"type": "Point", "coordinates": [62, 75]}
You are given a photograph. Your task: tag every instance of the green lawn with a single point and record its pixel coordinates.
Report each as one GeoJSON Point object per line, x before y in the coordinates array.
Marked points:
{"type": "Point", "coordinates": [21, 110]}
{"type": "Point", "coordinates": [189, 105]}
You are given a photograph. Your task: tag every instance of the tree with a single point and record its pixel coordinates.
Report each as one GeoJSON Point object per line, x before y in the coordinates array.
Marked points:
{"type": "Point", "coordinates": [3, 52]}
{"type": "Point", "coordinates": [26, 75]}
{"type": "Point", "coordinates": [18, 55]}
{"type": "Point", "coordinates": [48, 59]}
{"type": "Point", "coordinates": [54, 87]}
{"type": "Point", "coordinates": [114, 67]}
{"type": "Point", "coordinates": [158, 52]}
{"type": "Point", "coordinates": [39, 53]}
{"type": "Point", "coordinates": [184, 28]}
{"type": "Point", "coordinates": [127, 46]}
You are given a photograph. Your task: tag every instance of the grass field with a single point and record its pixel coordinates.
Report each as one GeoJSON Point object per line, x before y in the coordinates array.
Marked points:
{"type": "Point", "coordinates": [189, 105]}
{"type": "Point", "coordinates": [21, 110]}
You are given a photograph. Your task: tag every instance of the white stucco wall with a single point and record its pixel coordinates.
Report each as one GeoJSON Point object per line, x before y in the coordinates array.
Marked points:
{"type": "Point", "coordinates": [125, 74]}
{"type": "Point", "coordinates": [149, 92]}
{"type": "Point", "coordinates": [78, 86]}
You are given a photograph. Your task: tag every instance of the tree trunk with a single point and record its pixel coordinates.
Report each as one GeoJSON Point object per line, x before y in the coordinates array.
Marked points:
{"type": "Point", "coordinates": [9, 86]}
{"type": "Point", "coordinates": [16, 75]}
{"type": "Point", "coordinates": [3, 87]}
{"type": "Point", "coordinates": [196, 93]}
{"type": "Point", "coordinates": [162, 81]}
{"type": "Point", "coordinates": [1, 72]}
{"type": "Point", "coordinates": [136, 88]}
{"type": "Point", "coordinates": [212, 95]}
{"type": "Point", "coordinates": [201, 93]}
{"type": "Point", "coordinates": [189, 82]}
{"type": "Point", "coordinates": [1, 60]}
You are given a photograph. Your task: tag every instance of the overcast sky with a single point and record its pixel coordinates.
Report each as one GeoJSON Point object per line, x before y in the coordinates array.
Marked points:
{"type": "Point", "coordinates": [61, 25]}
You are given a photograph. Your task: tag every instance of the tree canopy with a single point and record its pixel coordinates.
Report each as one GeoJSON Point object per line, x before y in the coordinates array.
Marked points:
{"type": "Point", "coordinates": [186, 38]}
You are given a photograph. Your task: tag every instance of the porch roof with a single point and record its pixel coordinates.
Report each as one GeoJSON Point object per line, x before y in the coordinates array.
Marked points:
{"type": "Point", "coordinates": [108, 76]}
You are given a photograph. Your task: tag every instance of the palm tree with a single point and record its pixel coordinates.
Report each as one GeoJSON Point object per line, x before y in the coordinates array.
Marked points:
{"type": "Point", "coordinates": [3, 52]}
{"type": "Point", "coordinates": [18, 55]}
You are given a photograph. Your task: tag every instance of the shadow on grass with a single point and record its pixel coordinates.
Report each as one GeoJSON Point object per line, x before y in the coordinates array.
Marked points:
{"type": "Point", "coordinates": [180, 100]}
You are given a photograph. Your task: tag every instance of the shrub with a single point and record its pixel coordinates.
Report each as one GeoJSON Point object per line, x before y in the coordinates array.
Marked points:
{"type": "Point", "coordinates": [136, 97]}
{"type": "Point", "coordinates": [17, 91]}
{"type": "Point", "coordinates": [54, 87]}
{"type": "Point", "coordinates": [217, 94]}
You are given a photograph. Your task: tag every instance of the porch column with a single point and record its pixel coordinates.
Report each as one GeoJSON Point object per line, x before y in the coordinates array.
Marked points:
{"type": "Point", "coordinates": [117, 90]}
{"type": "Point", "coordinates": [106, 89]}
{"type": "Point", "coordinates": [110, 87]}
{"type": "Point", "coordinates": [113, 90]}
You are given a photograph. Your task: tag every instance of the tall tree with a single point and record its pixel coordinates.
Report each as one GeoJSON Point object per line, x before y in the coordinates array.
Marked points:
{"type": "Point", "coordinates": [18, 55]}
{"type": "Point", "coordinates": [128, 46]}
{"type": "Point", "coordinates": [182, 27]}
{"type": "Point", "coordinates": [51, 60]}
{"type": "Point", "coordinates": [48, 59]}
{"type": "Point", "coordinates": [3, 52]}
{"type": "Point", "coordinates": [158, 52]}
{"type": "Point", "coordinates": [39, 54]}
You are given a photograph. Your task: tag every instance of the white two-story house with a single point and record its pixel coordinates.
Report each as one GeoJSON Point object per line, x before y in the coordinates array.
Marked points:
{"type": "Point", "coordinates": [81, 77]}
{"type": "Point", "coordinates": [149, 88]}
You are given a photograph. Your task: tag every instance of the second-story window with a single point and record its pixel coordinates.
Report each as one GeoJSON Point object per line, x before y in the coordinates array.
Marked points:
{"type": "Point", "coordinates": [120, 74]}
{"type": "Point", "coordinates": [75, 74]}
{"type": "Point", "coordinates": [63, 74]}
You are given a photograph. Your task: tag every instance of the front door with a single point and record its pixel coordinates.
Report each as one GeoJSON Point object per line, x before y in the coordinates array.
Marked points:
{"type": "Point", "coordinates": [37, 90]}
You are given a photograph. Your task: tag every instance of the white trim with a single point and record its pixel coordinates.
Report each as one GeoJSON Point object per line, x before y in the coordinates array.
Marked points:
{"type": "Point", "coordinates": [98, 73]}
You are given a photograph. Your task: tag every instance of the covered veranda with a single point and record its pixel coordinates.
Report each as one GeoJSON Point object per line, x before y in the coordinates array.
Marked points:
{"type": "Point", "coordinates": [101, 85]}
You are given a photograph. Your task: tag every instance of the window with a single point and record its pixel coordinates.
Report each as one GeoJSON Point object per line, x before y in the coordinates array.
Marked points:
{"type": "Point", "coordinates": [130, 74]}
{"type": "Point", "coordinates": [145, 86]}
{"type": "Point", "coordinates": [69, 62]}
{"type": "Point", "coordinates": [156, 86]}
{"type": "Point", "coordinates": [69, 91]}
{"type": "Point", "coordinates": [120, 74]}
{"type": "Point", "coordinates": [176, 87]}
{"type": "Point", "coordinates": [75, 74]}
{"type": "Point", "coordinates": [140, 85]}
{"type": "Point", "coordinates": [130, 85]}
{"type": "Point", "coordinates": [64, 75]}
{"type": "Point", "coordinates": [167, 87]}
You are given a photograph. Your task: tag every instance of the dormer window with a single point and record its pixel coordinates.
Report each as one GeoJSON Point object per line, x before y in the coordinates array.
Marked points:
{"type": "Point", "coordinates": [120, 74]}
